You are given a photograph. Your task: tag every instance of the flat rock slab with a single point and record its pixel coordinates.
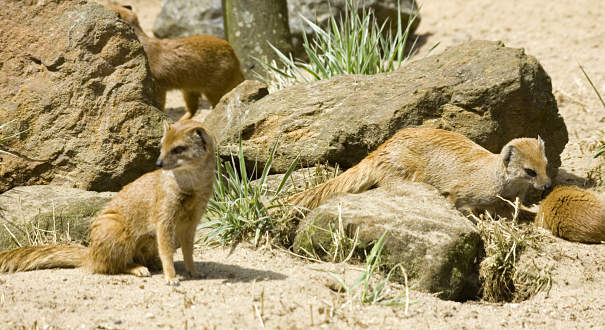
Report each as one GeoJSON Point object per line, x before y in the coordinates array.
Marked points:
{"type": "Point", "coordinates": [439, 248]}
{"type": "Point", "coordinates": [49, 208]}
{"type": "Point", "coordinates": [481, 89]}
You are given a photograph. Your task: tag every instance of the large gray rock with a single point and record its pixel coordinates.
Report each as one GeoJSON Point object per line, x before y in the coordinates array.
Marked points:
{"type": "Point", "coordinates": [481, 89]}
{"type": "Point", "coordinates": [49, 208]}
{"type": "Point", "coordinates": [180, 18]}
{"type": "Point", "coordinates": [75, 79]}
{"type": "Point", "coordinates": [440, 249]}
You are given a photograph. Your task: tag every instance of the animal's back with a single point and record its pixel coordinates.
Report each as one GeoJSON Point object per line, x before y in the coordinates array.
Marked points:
{"type": "Point", "coordinates": [191, 62]}
{"type": "Point", "coordinates": [446, 160]}
{"type": "Point", "coordinates": [573, 214]}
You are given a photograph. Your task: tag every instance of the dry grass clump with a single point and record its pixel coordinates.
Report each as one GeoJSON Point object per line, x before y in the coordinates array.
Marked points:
{"type": "Point", "coordinates": [67, 225]}
{"type": "Point", "coordinates": [504, 274]}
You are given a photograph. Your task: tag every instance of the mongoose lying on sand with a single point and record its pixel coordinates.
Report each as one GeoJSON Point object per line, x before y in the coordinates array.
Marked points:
{"type": "Point", "coordinates": [574, 214]}
{"type": "Point", "coordinates": [196, 65]}
{"type": "Point", "coordinates": [466, 173]}
{"type": "Point", "coordinates": [147, 220]}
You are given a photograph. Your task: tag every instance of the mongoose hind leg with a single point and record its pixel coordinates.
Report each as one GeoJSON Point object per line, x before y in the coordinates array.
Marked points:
{"type": "Point", "coordinates": [112, 248]}
{"type": "Point", "coordinates": [213, 97]}
{"type": "Point", "coordinates": [138, 270]}
{"type": "Point", "coordinates": [147, 253]}
{"type": "Point", "coordinates": [192, 102]}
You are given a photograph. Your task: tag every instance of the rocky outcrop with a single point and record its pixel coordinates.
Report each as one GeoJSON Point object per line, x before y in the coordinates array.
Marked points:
{"type": "Point", "coordinates": [49, 208]}
{"type": "Point", "coordinates": [75, 81]}
{"type": "Point", "coordinates": [180, 18]}
{"type": "Point", "coordinates": [481, 89]}
{"type": "Point", "coordinates": [439, 248]}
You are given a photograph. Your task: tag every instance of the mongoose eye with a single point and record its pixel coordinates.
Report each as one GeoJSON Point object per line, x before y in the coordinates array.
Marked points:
{"type": "Point", "coordinates": [530, 172]}
{"type": "Point", "coordinates": [178, 150]}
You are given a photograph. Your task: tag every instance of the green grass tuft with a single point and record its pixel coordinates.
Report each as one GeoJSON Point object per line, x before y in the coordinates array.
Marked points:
{"type": "Point", "coordinates": [352, 44]}
{"type": "Point", "coordinates": [240, 209]}
{"type": "Point", "coordinates": [371, 291]}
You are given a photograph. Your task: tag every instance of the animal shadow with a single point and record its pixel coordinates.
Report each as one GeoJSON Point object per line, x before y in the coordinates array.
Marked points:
{"type": "Point", "coordinates": [229, 273]}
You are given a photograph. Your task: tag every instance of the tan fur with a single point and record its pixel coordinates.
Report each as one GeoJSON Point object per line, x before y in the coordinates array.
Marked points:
{"type": "Point", "coordinates": [147, 220]}
{"type": "Point", "coordinates": [196, 65]}
{"type": "Point", "coordinates": [469, 175]}
{"type": "Point", "coordinates": [574, 214]}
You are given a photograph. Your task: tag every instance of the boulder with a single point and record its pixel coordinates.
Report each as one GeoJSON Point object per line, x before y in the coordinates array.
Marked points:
{"type": "Point", "coordinates": [49, 208]}
{"type": "Point", "coordinates": [439, 248]}
{"type": "Point", "coordinates": [180, 18]}
{"type": "Point", "coordinates": [75, 83]}
{"type": "Point", "coordinates": [481, 89]}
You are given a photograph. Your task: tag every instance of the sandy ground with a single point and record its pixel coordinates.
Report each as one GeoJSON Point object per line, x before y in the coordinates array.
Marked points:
{"type": "Point", "coordinates": [273, 289]}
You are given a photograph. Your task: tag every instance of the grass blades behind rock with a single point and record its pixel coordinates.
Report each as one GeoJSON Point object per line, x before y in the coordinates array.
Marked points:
{"type": "Point", "coordinates": [352, 44]}
{"type": "Point", "coordinates": [63, 225]}
{"type": "Point", "coordinates": [240, 209]}
{"type": "Point", "coordinates": [370, 290]}
{"type": "Point", "coordinates": [601, 149]}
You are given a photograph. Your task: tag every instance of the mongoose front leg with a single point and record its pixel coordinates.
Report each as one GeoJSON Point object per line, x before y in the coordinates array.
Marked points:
{"type": "Point", "coordinates": [165, 235]}
{"type": "Point", "coordinates": [186, 237]}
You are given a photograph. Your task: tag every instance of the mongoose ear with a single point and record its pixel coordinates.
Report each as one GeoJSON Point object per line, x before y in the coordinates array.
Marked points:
{"type": "Point", "coordinates": [166, 127]}
{"type": "Point", "coordinates": [200, 133]}
{"type": "Point", "coordinates": [541, 142]}
{"type": "Point", "coordinates": [507, 154]}
{"type": "Point", "coordinates": [129, 7]}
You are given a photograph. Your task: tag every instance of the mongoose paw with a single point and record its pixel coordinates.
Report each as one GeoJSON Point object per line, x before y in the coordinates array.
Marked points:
{"type": "Point", "coordinates": [140, 271]}
{"type": "Point", "coordinates": [173, 281]}
{"type": "Point", "coordinates": [192, 274]}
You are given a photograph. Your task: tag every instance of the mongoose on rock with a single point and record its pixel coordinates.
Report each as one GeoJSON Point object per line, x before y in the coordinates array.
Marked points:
{"type": "Point", "coordinates": [196, 65]}
{"type": "Point", "coordinates": [575, 214]}
{"type": "Point", "coordinates": [467, 174]}
{"type": "Point", "coordinates": [147, 220]}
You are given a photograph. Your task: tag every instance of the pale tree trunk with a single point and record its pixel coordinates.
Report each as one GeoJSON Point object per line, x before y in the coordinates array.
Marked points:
{"type": "Point", "coordinates": [250, 25]}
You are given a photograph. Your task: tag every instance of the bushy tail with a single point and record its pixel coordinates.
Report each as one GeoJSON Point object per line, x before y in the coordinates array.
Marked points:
{"type": "Point", "coordinates": [357, 179]}
{"type": "Point", "coordinates": [42, 257]}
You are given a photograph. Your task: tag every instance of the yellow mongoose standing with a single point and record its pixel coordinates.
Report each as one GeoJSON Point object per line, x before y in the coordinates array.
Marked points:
{"type": "Point", "coordinates": [147, 220]}
{"type": "Point", "coordinates": [196, 65]}
{"type": "Point", "coordinates": [466, 173]}
{"type": "Point", "coordinates": [575, 214]}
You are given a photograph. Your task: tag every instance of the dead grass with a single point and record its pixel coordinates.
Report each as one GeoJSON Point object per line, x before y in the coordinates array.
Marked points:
{"type": "Point", "coordinates": [505, 276]}
{"type": "Point", "coordinates": [66, 225]}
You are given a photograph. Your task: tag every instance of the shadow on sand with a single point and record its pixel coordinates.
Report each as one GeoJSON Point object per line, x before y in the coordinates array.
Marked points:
{"type": "Point", "coordinates": [229, 273]}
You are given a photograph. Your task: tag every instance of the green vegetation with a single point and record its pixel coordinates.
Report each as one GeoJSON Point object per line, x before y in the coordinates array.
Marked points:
{"type": "Point", "coordinates": [601, 149]}
{"type": "Point", "coordinates": [352, 44]}
{"type": "Point", "coordinates": [241, 209]}
{"type": "Point", "coordinates": [380, 291]}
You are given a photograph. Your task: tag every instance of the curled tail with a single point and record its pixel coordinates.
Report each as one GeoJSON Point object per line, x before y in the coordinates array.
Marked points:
{"type": "Point", "coordinates": [357, 179]}
{"type": "Point", "coordinates": [42, 257]}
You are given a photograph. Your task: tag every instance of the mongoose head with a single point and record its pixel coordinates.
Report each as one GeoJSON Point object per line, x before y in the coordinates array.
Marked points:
{"type": "Point", "coordinates": [185, 144]}
{"type": "Point", "coordinates": [525, 160]}
{"type": "Point", "coordinates": [125, 12]}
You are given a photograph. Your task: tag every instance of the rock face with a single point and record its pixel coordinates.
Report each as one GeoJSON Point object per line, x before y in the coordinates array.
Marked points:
{"type": "Point", "coordinates": [481, 89]}
{"type": "Point", "coordinates": [439, 248]}
{"type": "Point", "coordinates": [180, 18]}
{"type": "Point", "coordinates": [75, 80]}
{"type": "Point", "coordinates": [49, 208]}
